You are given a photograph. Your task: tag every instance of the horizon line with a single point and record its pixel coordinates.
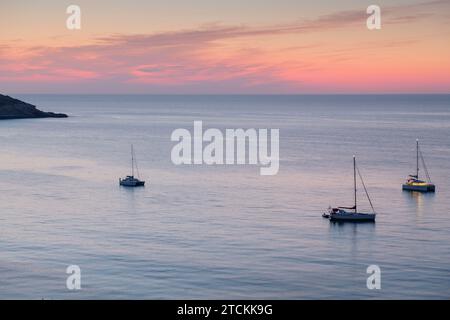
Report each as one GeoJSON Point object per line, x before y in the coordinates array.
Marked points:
{"type": "Point", "coordinates": [242, 94]}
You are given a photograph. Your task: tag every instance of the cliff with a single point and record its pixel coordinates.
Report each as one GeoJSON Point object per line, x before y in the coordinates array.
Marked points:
{"type": "Point", "coordinates": [11, 108]}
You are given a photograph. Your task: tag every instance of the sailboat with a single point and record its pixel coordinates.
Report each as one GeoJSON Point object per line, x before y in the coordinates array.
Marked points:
{"type": "Point", "coordinates": [413, 183]}
{"type": "Point", "coordinates": [131, 181]}
{"type": "Point", "coordinates": [351, 213]}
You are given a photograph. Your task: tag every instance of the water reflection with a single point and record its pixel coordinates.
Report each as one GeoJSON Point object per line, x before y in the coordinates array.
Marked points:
{"type": "Point", "coordinates": [418, 200]}
{"type": "Point", "coordinates": [351, 236]}
{"type": "Point", "coordinates": [133, 196]}
{"type": "Point", "coordinates": [351, 226]}
{"type": "Point", "coordinates": [352, 229]}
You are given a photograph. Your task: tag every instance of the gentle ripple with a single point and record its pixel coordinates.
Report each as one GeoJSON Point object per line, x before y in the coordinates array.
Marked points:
{"type": "Point", "coordinates": [223, 231]}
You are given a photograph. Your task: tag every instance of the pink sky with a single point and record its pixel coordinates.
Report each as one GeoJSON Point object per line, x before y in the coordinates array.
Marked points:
{"type": "Point", "coordinates": [278, 47]}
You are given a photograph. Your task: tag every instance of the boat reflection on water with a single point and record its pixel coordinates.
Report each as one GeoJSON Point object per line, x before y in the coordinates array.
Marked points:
{"type": "Point", "coordinates": [418, 201]}
{"type": "Point", "coordinates": [350, 235]}
{"type": "Point", "coordinates": [343, 226]}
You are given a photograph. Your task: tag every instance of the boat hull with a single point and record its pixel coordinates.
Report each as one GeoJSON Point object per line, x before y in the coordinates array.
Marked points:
{"type": "Point", "coordinates": [132, 183]}
{"type": "Point", "coordinates": [421, 188]}
{"type": "Point", "coordinates": [361, 217]}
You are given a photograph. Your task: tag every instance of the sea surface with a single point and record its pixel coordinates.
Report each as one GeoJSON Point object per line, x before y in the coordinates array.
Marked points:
{"type": "Point", "coordinates": [223, 232]}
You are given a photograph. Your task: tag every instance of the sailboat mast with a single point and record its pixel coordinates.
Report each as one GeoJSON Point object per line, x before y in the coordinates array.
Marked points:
{"type": "Point", "coordinates": [132, 161]}
{"type": "Point", "coordinates": [354, 178]}
{"type": "Point", "coordinates": [417, 158]}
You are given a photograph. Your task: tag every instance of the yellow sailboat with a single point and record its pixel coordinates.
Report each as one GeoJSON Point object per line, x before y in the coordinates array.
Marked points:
{"type": "Point", "coordinates": [413, 183]}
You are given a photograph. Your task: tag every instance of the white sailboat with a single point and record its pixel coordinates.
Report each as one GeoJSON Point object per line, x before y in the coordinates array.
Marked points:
{"type": "Point", "coordinates": [413, 183]}
{"type": "Point", "coordinates": [131, 181]}
{"type": "Point", "coordinates": [351, 213]}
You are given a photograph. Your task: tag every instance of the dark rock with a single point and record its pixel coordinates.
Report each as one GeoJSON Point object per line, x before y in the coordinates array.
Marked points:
{"type": "Point", "coordinates": [11, 108]}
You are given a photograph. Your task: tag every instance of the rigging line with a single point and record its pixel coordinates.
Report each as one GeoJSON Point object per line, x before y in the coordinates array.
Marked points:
{"type": "Point", "coordinates": [137, 168]}
{"type": "Point", "coordinates": [365, 189]}
{"type": "Point", "coordinates": [424, 166]}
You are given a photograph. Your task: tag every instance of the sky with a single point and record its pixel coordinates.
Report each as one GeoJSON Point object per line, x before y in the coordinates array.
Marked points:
{"type": "Point", "coordinates": [225, 47]}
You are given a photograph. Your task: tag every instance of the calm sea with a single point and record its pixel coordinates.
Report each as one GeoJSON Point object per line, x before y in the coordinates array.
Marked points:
{"type": "Point", "coordinates": [223, 231]}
